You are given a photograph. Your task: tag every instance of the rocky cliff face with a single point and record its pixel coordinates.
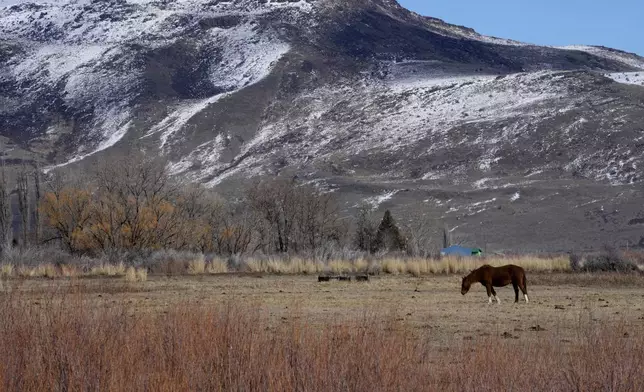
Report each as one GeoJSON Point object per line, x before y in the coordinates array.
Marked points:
{"type": "Point", "coordinates": [516, 146]}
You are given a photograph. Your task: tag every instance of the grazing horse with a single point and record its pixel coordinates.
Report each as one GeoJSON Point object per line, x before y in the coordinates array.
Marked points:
{"type": "Point", "coordinates": [491, 277]}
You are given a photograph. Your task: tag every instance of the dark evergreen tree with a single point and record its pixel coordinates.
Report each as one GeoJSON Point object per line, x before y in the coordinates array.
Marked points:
{"type": "Point", "coordinates": [388, 236]}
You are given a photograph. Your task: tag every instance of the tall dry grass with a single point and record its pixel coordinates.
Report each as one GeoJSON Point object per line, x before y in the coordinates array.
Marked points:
{"type": "Point", "coordinates": [68, 345]}
{"type": "Point", "coordinates": [455, 265]}
{"type": "Point", "coordinates": [136, 274]}
{"type": "Point", "coordinates": [6, 270]}
{"type": "Point", "coordinates": [217, 266]}
{"type": "Point", "coordinates": [196, 264]}
{"type": "Point", "coordinates": [106, 269]}
{"type": "Point", "coordinates": [395, 266]}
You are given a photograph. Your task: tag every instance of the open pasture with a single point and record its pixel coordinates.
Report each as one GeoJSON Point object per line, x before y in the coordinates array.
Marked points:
{"type": "Point", "coordinates": [431, 306]}
{"type": "Point", "coordinates": [283, 333]}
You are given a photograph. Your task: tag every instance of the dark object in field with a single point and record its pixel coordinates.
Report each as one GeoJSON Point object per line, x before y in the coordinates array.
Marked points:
{"type": "Point", "coordinates": [559, 307]}
{"type": "Point", "coordinates": [491, 277]}
{"type": "Point", "coordinates": [508, 335]}
{"type": "Point", "coordinates": [343, 278]}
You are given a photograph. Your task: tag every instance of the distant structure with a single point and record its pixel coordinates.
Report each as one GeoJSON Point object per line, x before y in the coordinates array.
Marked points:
{"type": "Point", "coordinates": [456, 250]}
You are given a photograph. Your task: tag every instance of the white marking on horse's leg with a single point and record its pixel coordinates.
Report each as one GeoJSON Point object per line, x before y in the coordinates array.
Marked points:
{"type": "Point", "coordinates": [498, 301]}
{"type": "Point", "coordinates": [526, 297]}
{"type": "Point", "coordinates": [489, 299]}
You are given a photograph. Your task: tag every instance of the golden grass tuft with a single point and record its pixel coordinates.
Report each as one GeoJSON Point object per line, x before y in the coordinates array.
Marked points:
{"type": "Point", "coordinates": [130, 274]}
{"type": "Point", "coordinates": [118, 269]}
{"type": "Point", "coordinates": [6, 270]}
{"type": "Point", "coordinates": [283, 267]}
{"type": "Point", "coordinates": [340, 266]}
{"type": "Point", "coordinates": [393, 266]}
{"type": "Point", "coordinates": [217, 266]}
{"type": "Point", "coordinates": [136, 275]}
{"type": "Point", "coordinates": [69, 271]}
{"type": "Point", "coordinates": [142, 274]}
{"type": "Point", "coordinates": [197, 266]}
{"type": "Point", "coordinates": [39, 271]}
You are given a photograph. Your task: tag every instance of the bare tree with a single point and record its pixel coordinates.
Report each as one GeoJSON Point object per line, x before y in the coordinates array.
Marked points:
{"type": "Point", "coordinates": [365, 233]}
{"type": "Point", "coordinates": [447, 237]}
{"type": "Point", "coordinates": [135, 205]}
{"type": "Point", "coordinates": [201, 211]}
{"type": "Point", "coordinates": [36, 220]}
{"type": "Point", "coordinates": [6, 215]}
{"type": "Point", "coordinates": [275, 201]}
{"type": "Point", "coordinates": [421, 233]}
{"type": "Point", "coordinates": [233, 230]}
{"type": "Point", "coordinates": [22, 189]}
{"type": "Point", "coordinates": [318, 219]}
{"type": "Point", "coordinates": [67, 206]}
{"type": "Point", "coordinates": [297, 217]}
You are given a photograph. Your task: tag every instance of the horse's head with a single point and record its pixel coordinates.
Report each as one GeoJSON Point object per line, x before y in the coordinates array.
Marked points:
{"type": "Point", "coordinates": [465, 285]}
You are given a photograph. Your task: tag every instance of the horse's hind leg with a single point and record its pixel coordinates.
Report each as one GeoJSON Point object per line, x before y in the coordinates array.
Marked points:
{"type": "Point", "coordinates": [516, 291]}
{"type": "Point", "coordinates": [490, 290]}
{"type": "Point", "coordinates": [524, 289]}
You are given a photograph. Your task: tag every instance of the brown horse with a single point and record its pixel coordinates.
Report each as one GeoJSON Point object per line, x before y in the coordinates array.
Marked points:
{"type": "Point", "coordinates": [491, 277]}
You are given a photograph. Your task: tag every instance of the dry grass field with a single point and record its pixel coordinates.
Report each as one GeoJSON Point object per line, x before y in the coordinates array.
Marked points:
{"type": "Point", "coordinates": [267, 332]}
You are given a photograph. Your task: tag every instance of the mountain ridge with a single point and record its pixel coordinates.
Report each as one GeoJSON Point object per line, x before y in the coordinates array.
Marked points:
{"type": "Point", "coordinates": [363, 97]}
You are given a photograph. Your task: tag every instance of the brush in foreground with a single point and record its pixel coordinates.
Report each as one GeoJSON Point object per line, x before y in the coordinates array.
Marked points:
{"type": "Point", "coordinates": [67, 344]}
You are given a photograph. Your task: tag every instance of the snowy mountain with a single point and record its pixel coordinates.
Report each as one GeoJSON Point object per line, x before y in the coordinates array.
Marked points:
{"type": "Point", "coordinates": [363, 97]}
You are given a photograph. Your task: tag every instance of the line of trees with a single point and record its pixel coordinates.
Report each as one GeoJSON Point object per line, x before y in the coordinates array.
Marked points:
{"type": "Point", "coordinates": [133, 204]}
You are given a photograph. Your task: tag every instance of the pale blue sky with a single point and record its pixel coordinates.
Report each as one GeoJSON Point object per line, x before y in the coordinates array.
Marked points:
{"type": "Point", "coordinates": [617, 23]}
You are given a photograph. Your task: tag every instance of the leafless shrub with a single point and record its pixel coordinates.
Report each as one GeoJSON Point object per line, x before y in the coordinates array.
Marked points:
{"type": "Point", "coordinates": [576, 261]}
{"type": "Point", "coordinates": [609, 260]}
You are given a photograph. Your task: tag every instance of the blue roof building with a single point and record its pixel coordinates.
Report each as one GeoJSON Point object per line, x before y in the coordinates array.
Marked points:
{"type": "Point", "coordinates": [457, 250]}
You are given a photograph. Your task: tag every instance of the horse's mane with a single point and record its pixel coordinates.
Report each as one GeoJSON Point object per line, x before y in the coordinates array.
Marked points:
{"type": "Point", "coordinates": [475, 275]}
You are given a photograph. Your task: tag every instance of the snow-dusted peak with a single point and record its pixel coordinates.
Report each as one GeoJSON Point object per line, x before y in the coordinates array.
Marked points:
{"type": "Point", "coordinates": [107, 22]}
{"type": "Point", "coordinates": [630, 59]}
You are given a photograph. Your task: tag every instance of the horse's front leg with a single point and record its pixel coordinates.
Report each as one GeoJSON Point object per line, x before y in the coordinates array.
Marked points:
{"type": "Point", "coordinates": [495, 296]}
{"type": "Point", "coordinates": [489, 289]}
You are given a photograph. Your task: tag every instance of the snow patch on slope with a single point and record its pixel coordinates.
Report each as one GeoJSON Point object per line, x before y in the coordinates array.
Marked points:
{"type": "Point", "coordinates": [352, 120]}
{"type": "Point", "coordinates": [629, 59]}
{"type": "Point", "coordinates": [83, 45]}
{"type": "Point", "coordinates": [55, 62]}
{"type": "Point", "coordinates": [181, 114]}
{"type": "Point", "coordinates": [636, 78]}
{"type": "Point", "coordinates": [376, 201]}
{"type": "Point", "coordinates": [246, 59]}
